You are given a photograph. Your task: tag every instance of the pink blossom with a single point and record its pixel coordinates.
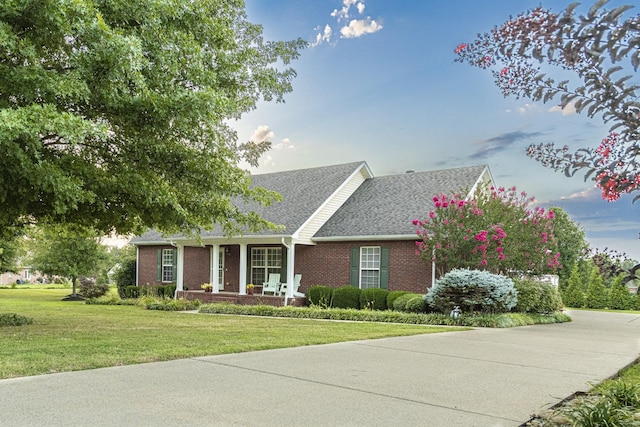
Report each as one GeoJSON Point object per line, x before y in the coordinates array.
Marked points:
{"type": "Point", "coordinates": [460, 48]}
{"type": "Point", "coordinates": [483, 262]}
{"type": "Point", "coordinates": [501, 256]}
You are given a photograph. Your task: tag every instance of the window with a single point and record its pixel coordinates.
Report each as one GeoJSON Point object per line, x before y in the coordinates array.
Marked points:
{"type": "Point", "coordinates": [263, 262]}
{"type": "Point", "coordinates": [168, 257]}
{"type": "Point", "coordinates": [369, 267]}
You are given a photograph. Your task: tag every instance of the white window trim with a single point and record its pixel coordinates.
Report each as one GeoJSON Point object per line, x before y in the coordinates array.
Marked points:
{"type": "Point", "coordinates": [360, 264]}
{"type": "Point", "coordinates": [266, 266]}
{"type": "Point", "coordinates": [165, 264]}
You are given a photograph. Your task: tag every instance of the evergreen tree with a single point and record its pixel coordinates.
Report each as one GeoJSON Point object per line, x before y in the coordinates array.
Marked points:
{"type": "Point", "coordinates": [573, 296]}
{"type": "Point", "coordinates": [597, 294]}
{"type": "Point", "coordinates": [619, 296]}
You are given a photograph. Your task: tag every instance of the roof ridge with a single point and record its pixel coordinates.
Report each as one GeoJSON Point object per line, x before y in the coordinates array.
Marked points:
{"type": "Point", "coordinates": [312, 168]}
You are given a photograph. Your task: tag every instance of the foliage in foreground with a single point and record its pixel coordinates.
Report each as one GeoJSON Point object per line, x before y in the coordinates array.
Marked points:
{"type": "Point", "coordinates": [546, 56]}
{"type": "Point", "coordinates": [505, 320]}
{"type": "Point", "coordinates": [613, 403]}
{"type": "Point", "coordinates": [115, 114]}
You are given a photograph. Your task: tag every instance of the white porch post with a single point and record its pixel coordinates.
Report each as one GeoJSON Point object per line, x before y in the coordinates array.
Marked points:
{"type": "Point", "coordinates": [243, 269]}
{"type": "Point", "coordinates": [180, 268]}
{"type": "Point", "coordinates": [291, 260]}
{"type": "Point", "coordinates": [213, 274]}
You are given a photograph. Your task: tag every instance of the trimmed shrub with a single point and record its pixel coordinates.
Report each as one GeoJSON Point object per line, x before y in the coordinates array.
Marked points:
{"type": "Point", "coordinates": [400, 304]}
{"type": "Point", "coordinates": [346, 297]}
{"type": "Point", "coordinates": [125, 276]}
{"type": "Point", "coordinates": [132, 291]}
{"type": "Point", "coordinates": [474, 291]}
{"type": "Point", "coordinates": [13, 319]}
{"type": "Point", "coordinates": [160, 291]}
{"type": "Point", "coordinates": [169, 291]}
{"type": "Point", "coordinates": [551, 300]}
{"type": "Point", "coordinates": [89, 288]}
{"type": "Point", "coordinates": [393, 296]}
{"type": "Point", "coordinates": [319, 296]}
{"type": "Point", "coordinates": [374, 298]}
{"type": "Point", "coordinates": [536, 297]}
{"type": "Point", "coordinates": [416, 304]}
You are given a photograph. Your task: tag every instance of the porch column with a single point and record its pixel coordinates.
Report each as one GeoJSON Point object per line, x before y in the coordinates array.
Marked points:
{"type": "Point", "coordinates": [213, 272]}
{"type": "Point", "coordinates": [243, 269]}
{"type": "Point", "coordinates": [291, 260]}
{"type": "Point", "coordinates": [180, 268]}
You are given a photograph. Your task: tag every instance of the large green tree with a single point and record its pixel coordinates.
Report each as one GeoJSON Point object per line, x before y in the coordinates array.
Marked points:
{"type": "Point", "coordinates": [584, 61]}
{"type": "Point", "coordinates": [571, 241]}
{"type": "Point", "coordinates": [115, 114]}
{"type": "Point", "coordinates": [68, 251]}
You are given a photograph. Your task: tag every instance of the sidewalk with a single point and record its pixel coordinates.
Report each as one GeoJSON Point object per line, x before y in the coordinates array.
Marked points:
{"type": "Point", "coordinates": [483, 377]}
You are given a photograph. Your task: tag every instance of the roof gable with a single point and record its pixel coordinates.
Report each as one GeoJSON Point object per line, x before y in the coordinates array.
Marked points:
{"type": "Point", "coordinates": [385, 206]}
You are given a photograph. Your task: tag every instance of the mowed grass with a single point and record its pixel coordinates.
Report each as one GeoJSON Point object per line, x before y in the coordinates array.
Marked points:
{"type": "Point", "coordinates": [69, 335]}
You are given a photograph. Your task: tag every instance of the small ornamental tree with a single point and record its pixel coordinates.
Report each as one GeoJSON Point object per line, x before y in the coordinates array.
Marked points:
{"type": "Point", "coordinates": [584, 58]}
{"type": "Point", "coordinates": [495, 231]}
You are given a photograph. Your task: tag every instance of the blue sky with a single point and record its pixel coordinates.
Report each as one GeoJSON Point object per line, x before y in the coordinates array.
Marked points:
{"type": "Point", "coordinates": [378, 83]}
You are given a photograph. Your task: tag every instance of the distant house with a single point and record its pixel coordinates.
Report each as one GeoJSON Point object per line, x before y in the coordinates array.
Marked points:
{"type": "Point", "coordinates": [342, 226]}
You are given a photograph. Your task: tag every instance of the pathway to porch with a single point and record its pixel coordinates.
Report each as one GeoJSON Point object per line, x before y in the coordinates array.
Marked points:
{"type": "Point", "coordinates": [235, 298]}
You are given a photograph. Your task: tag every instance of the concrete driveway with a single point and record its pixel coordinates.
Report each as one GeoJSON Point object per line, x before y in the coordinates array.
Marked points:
{"type": "Point", "coordinates": [482, 377]}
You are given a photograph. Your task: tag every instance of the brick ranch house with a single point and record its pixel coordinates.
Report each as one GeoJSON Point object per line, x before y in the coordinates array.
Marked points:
{"type": "Point", "coordinates": [342, 226]}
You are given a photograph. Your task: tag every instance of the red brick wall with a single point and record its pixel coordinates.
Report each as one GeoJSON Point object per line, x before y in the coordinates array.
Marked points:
{"type": "Point", "coordinates": [196, 266]}
{"type": "Point", "coordinates": [147, 259]}
{"type": "Point", "coordinates": [323, 264]}
{"type": "Point", "coordinates": [328, 263]}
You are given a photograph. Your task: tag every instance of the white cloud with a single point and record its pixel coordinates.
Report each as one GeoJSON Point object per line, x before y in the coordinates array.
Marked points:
{"type": "Point", "coordinates": [355, 28]}
{"type": "Point", "coordinates": [360, 27]}
{"type": "Point", "coordinates": [285, 144]}
{"type": "Point", "coordinates": [324, 36]}
{"type": "Point", "coordinates": [262, 133]}
{"type": "Point", "coordinates": [568, 110]}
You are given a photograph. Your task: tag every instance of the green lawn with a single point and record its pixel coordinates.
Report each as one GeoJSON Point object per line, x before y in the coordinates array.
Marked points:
{"type": "Point", "coordinates": [67, 336]}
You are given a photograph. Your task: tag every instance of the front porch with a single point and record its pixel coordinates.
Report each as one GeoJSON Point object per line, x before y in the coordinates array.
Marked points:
{"type": "Point", "coordinates": [241, 299]}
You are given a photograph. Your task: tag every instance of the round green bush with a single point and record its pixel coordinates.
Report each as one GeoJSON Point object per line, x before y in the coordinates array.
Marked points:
{"type": "Point", "coordinates": [474, 291]}
{"type": "Point", "coordinates": [400, 304]}
{"type": "Point", "coordinates": [374, 298]}
{"type": "Point", "coordinates": [346, 297]}
{"type": "Point", "coordinates": [416, 304]}
{"type": "Point", "coordinates": [393, 296]}
{"type": "Point", "coordinates": [319, 296]}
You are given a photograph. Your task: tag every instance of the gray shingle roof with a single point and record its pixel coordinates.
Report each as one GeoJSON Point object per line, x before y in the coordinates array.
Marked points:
{"type": "Point", "coordinates": [387, 205]}
{"type": "Point", "coordinates": [303, 192]}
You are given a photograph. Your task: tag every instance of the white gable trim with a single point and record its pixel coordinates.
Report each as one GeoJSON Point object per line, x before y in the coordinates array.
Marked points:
{"type": "Point", "coordinates": [333, 203]}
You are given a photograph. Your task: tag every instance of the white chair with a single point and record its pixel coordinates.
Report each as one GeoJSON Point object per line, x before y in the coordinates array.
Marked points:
{"type": "Point", "coordinates": [272, 285]}
{"type": "Point", "coordinates": [296, 285]}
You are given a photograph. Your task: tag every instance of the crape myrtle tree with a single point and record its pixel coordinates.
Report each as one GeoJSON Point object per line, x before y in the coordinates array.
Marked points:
{"type": "Point", "coordinates": [115, 114]}
{"type": "Point", "coordinates": [497, 230]}
{"type": "Point", "coordinates": [588, 62]}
